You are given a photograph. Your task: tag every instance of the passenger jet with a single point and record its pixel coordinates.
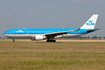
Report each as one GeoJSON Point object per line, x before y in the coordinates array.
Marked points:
{"type": "Point", "coordinates": [52, 34]}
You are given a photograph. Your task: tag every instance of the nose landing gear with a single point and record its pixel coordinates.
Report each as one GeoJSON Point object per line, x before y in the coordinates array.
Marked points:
{"type": "Point", "coordinates": [13, 40]}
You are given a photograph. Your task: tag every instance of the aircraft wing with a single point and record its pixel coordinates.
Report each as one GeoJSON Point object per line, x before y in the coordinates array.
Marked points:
{"type": "Point", "coordinates": [61, 33]}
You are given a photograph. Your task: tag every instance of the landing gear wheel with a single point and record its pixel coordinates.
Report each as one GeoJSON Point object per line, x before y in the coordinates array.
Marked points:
{"type": "Point", "coordinates": [54, 40]}
{"type": "Point", "coordinates": [51, 41]}
{"type": "Point", "coordinates": [13, 40]}
{"type": "Point", "coordinates": [48, 40]}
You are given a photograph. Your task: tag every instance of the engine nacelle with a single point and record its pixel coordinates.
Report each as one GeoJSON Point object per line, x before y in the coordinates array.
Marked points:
{"type": "Point", "coordinates": [37, 37]}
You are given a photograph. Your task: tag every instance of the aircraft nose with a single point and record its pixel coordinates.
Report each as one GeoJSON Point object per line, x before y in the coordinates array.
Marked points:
{"type": "Point", "coordinates": [4, 34]}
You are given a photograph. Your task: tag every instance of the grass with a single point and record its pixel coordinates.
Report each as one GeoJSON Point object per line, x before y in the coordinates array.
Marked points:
{"type": "Point", "coordinates": [62, 55]}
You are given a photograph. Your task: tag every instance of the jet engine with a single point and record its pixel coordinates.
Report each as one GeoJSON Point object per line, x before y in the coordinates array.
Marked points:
{"type": "Point", "coordinates": [37, 37]}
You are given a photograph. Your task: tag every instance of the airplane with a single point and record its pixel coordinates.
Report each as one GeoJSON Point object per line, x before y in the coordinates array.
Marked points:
{"type": "Point", "coordinates": [51, 34]}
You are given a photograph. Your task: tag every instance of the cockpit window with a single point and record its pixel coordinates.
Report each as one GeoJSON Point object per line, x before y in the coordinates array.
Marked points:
{"type": "Point", "coordinates": [6, 31]}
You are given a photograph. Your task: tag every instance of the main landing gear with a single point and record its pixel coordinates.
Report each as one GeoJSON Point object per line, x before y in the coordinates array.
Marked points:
{"type": "Point", "coordinates": [51, 41]}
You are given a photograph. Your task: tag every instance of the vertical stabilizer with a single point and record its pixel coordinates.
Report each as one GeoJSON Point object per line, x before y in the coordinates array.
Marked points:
{"type": "Point", "coordinates": [90, 24]}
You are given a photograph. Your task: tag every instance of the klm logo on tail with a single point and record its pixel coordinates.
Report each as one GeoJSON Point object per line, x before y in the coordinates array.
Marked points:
{"type": "Point", "coordinates": [90, 23]}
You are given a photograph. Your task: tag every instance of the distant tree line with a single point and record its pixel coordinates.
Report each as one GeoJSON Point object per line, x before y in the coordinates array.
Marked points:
{"type": "Point", "coordinates": [80, 37]}
{"type": "Point", "coordinates": [86, 37]}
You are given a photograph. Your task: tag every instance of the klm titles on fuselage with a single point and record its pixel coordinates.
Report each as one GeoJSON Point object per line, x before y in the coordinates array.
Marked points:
{"type": "Point", "coordinates": [90, 23]}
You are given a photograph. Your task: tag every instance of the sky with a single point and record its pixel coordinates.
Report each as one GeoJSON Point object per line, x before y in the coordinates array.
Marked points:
{"type": "Point", "coordinates": [51, 14]}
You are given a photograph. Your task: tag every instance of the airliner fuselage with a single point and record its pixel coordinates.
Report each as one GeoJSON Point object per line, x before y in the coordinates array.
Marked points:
{"type": "Point", "coordinates": [50, 34]}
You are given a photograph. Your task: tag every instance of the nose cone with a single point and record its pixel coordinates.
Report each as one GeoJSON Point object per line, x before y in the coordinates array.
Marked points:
{"type": "Point", "coordinates": [4, 34]}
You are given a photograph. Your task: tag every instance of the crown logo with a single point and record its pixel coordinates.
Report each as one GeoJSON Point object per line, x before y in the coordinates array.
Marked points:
{"type": "Point", "coordinates": [90, 23]}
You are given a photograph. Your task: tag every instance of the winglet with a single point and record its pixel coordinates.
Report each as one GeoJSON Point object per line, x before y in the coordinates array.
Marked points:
{"type": "Point", "coordinates": [90, 24]}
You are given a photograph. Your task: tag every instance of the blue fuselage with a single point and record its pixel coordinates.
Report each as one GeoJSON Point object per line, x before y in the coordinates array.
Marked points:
{"type": "Point", "coordinates": [29, 33]}
{"type": "Point", "coordinates": [43, 31]}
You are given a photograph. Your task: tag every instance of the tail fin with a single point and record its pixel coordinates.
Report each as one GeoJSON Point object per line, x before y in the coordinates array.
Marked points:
{"type": "Point", "coordinates": [90, 24]}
